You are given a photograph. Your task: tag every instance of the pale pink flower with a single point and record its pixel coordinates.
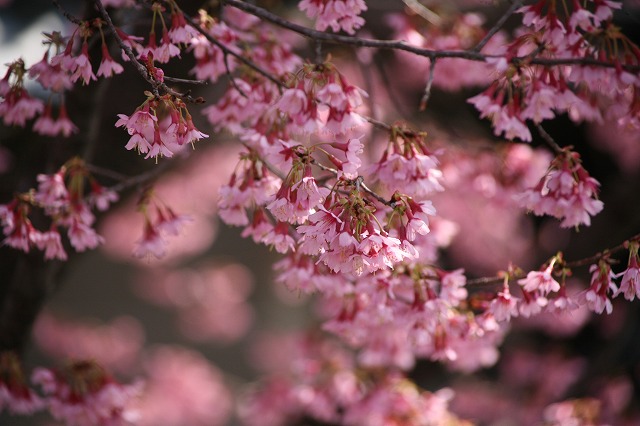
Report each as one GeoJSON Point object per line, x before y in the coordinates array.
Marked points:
{"type": "Point", "coordinates": [597, 295]}
{"type": "Point", "coordinates": [279, 238]}
{"type": "Point", "coordinates": [15, 395]}
{"type": "Point", "coordinates": [452, 288]}
{"type": "Point", "coordinates": [180, 31]}
{"type": "Point", "coordinates": [82, 68]}
{"type": "Point", "coordinates": [504, 306]}
{"type": "Point", "coordinates": [151, 243]}
{"type": "Point", "coordinates": [337, 14]}
{"type": "Point", "coordinates": [540, 281]}
{"type": "Point", "coordinates": [531, 304]}
{"type": "Point", "coordinates": [18, 106]}
{"type": "Point", "coordinates": [183, 388]}
{"type": "Point", "coordinates": [44, 125]}
{"type": "Point", "coordinates": [293, 101]}
{"type": "Point", "coordinates": [63, 125]}
{"type": "Point", "coordinates": [51, 244]}
{"type": "Point", "coordinates": [82, 236]}
{"type": "Point", "coordinates": [101, 197]}
{"type": "Point", "coordinates": [50, 76]}
{"type": "Point", "coordinates": [108, 67]}
{"type": "Point", "coordinates": [52, 191]}
{"type": "Point", "coordinates": [323, 227]}
{"type": "Point", "coordinates": [84, 395]}
{"type": "Point", "coordinates": [171, 223]}
{"type": "Point", "coordinates": [298, 196]}
{"type": "Point", "coordinates": [630, 283]}
{"type": "Point", "coordinates": [167, 49]}
{"type": "Point", "coordinates": [347, 157]}
{"type": "Point", "coordinates": [566, 192]}
{"type": "Point", "coordinates": [418, 218]}
{"type": "Point", "coordinates": [340, 255]}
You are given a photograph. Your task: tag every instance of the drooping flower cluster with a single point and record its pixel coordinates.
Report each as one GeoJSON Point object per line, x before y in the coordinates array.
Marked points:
{"type": "Point", "coordinates": [323, 382]}
{"type": "Point", "coordinates": [337, 14]}
{"type": "Point", "coordinates": [63, 198]}
{"type": "Point", "coordinates": [586, 93]}
{"type": "Point", "coordinates": [566, 192]}
{"type": "Point", "coordinates": [407, 163]}
{"type": "Point", "coordinates": [16, 397]}
{"type": "Point", "coordinates": [83, 393]}
{"type": "Point", "coordinates": [160, 127]}
{"type": "Point", "coordinates": [157, 227]}
{"type": "Point", "coordinates": [321, 98]}
{"type": "Point", "coordinates": [363, 236]}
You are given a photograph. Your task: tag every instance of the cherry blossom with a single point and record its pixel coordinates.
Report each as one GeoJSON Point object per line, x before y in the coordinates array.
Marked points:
{"type": "Point", "coordinates": [630, 283]}
{"type": "Point", "coordinates": [85, 394]}
{"type": "Point", "coordinates": [337, 14]}
{"type": "Point", "coordinates": [16, 396]}
{"type": "Point", "coordinates": [362, 199]}
{"type": "Point", "coordinates": [566, 192]}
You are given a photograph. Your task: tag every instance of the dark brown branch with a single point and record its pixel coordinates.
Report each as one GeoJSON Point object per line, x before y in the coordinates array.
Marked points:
{"type": "Point", "coordinates": [401, 45]}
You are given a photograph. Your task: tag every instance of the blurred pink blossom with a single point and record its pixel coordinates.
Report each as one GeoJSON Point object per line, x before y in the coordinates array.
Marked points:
{"type": "Point", "coordinates": [182, 388]}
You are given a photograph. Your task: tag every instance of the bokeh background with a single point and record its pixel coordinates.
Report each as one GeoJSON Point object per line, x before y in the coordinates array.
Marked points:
{"type": "Point", "coordinates": [207, 320]}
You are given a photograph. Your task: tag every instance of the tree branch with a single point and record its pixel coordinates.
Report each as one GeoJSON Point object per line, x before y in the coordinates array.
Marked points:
{"type": "Point", "coordinates": [403, 46]}
{"type": "Point", "coordinates": [514, 6]}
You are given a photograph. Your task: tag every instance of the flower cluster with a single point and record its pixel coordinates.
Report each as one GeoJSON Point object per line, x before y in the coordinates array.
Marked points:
{"type": "Point", "coordinates": [409, 164]}
{"type": "Point", "coordinates": [160, 127]}
{"type": "Point", "coordinates": [337, 14]}
{"type": "Point", "coordinates": [321, 98]}
{"type": "Point", "coordinates": [63, 198]}
{"type": "Point", "coordinates": [16, 396]}
{"type": "Point", "coordinates": [566, 192]}
{"type": "Point", "coordinates": [323, 382]}
{"type": "Point", "coordinates": [350, 201]}
{"type": "Point", "coordinates": [155, 229]}
{"type": "Point", "coordinates": [586, 93]}
{"type": "Point", "coordinates": [83, 393]}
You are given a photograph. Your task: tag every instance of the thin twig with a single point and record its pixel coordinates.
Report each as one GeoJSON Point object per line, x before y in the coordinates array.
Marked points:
{"type": "Point", "coordinates": [423, 11]}
{"type": "Point", "coordinates": [512, 9]}
{"type": "Point", "coordinates": [101, 171]}
{"type": "Point", "coordinates": [373, 193]}
{"type": "Point", "coordinates": [185, 80]}
{"type": "Point", "coordinates": [573, 264]}
{"type": "Point", "coordinates": [141, 178]}
{"type": "Point", "coordinates": [66, 14]}
{"type": "Point", "coordinates": [127, 50]}
{"type": "Point", "coordinates": [549, 140]}
{"type": "Point", "coordinates": [228, 51]}
{"type": "Point", "coordinates": [593, 259]}
{"type": "Point", "coordinates": [139, 66]}
{"type": "Point", "coordinates": [427, 89]}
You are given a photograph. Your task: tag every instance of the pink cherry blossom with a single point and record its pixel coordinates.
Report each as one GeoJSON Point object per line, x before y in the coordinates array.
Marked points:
{"type": "Point", "coordinates": [86, 395]}
{"type": "Point", "coordinates": [540, 281]}
{"type": "Point", "coordinates": [630, 283]}
{"type": "Point", "coordinates": [337, 14]}
{"type": "Point", "coordinates": [16, 396]}
{"type": "Point", "coordinates": [82, 69]}
{"type": "Point", "coordinates": [597, 295]}
{"type": "Point", "coordinates": [108, 67]}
